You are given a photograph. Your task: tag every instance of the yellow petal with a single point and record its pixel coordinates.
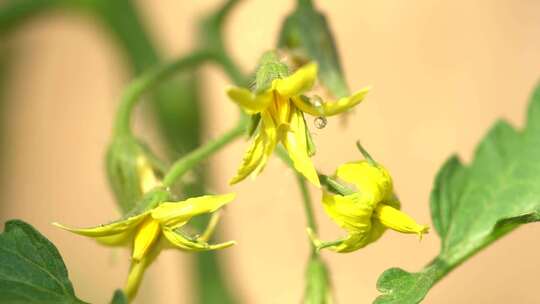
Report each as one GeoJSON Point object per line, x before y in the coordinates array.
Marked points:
{"type": "Point", "coordinates": [252, 158]}
{"type": "Point", "coordinates": [173, 214]}
{"type": "Point", "coordinates": [330, 107]}
{"type": "Point", "coordinates": [399, 221]}
{"type": "Point", "coordinates": [270, 133]}
{"type": "Point", "coordinates": [102, 232]}
{"type": "Point", "coordinates": [248, 101]}
{"type": "Point", "coordinates": [295, 142]}
{"type": "Point", "coordinates": [185, 243]}
{"type": "Point", "coordinates": [122, 239]}
{"type": "Point", "coordinates": [260, 150]}
{"type": "Point", "coordinates": [280, 111]}
{"type": "Point", "coordinates": [146, 236]}
{"type": "Point", "coordinates": [372, 181]}
{"type": "Point", "coordinates": [299, 82]}
{"type": "Point", "coordinates": [211, 227]}
{"type": "Point", "coordinates": [353, 242]}
{"type": "Point", "coordinates": [352, 212]}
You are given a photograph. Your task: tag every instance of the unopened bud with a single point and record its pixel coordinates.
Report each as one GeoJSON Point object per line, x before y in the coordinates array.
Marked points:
{"type": "Point", "coordinates": [306, 32]}
{"type": "Point", "coordinates": [318, 289]}
{"type": "Point", "coordinates": [132, 171]}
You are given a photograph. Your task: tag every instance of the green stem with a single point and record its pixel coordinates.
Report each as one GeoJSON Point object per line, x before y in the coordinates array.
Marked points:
{"type": "Point", "coordinates": [306, 197]}
{"type": "Point", "coordinates": [122, 19]}
{"type": "Point", "coordinates": [186, 163]}
{"type": "Point", "coordinates": [231, 69]}
{"type": "Point", "coordinates": [308, 205]}
{"type": "Point", "coordinates": [147, 81]}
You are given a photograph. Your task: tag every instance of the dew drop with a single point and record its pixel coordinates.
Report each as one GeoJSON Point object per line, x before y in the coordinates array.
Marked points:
{"type": "Point", "coordinates": [320, 122]}
{"type": "Point", "coordinates": [317, 101]}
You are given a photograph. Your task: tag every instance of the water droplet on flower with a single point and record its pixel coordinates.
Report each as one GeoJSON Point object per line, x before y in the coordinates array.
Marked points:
{"type": "Point", "coordinates": [320, 122]}
{"type": "Point", "coordinates": [317, 101]}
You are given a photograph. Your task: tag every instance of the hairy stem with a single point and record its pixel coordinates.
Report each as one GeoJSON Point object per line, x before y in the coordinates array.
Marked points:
{"type": "Point", "coordinates": [308, 205]}
{"type": "Point", "coordinates": [147, 81]}
{"type": "Point", "coordinates": [306, 197]}
{"type": "Point", "coordinates": [186, 163]}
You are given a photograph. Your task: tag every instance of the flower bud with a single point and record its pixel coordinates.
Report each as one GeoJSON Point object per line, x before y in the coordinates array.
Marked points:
{"type": "Point", "coordinates": [307, 36]}
{"type": "Point", "coordinates": [366, 212]}
{"type": "Point", "coordinates": [132, 171]}
{"type": "Point", "coordinates": [269, 68]}
{"type": "Point", "coordinates": [318, 289]}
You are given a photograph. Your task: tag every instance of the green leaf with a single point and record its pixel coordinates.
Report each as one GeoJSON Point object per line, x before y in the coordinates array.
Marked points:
{"type": "Point", "coordinates": [119, 297]}
{"type": "Point", "coordinates": [31, 269]}
{"type": "Point", "coordinates": [472, 206]}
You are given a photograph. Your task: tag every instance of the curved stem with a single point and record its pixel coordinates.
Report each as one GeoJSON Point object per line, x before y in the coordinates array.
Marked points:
{"type": "Point", "coordinates": [147, 81]}
{"type": "Point", "coordinates": [186, 163]}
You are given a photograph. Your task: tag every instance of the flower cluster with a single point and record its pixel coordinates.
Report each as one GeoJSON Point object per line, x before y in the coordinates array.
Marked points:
{"type": "Point", "coordinates": [158, 227]}
{"type": "Point", "coordinates": [279, 102]}
{"type": "Point", "coordinates": [360, 197]}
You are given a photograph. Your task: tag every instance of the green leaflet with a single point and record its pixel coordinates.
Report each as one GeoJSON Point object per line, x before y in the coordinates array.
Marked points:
{"type": "Point", "coordinates": [473, 206]}
{"type": "Point", "coordinates": [31, 269]}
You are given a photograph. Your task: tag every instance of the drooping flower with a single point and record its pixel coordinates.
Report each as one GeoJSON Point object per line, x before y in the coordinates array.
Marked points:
{"type": "Point", "coordinates": [366, 212]}
{"type": "Point", "coordinates": [279, 102]}
{"type": "Point", "coordinates": [149, 232]}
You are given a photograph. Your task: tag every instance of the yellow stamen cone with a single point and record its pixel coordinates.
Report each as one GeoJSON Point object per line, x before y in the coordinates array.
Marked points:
{"type": "Point", "coordinates": [147, 235]}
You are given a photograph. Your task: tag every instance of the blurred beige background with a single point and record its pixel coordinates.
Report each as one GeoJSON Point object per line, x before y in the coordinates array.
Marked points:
{"type": "Point", "coordinates": [442, 72]}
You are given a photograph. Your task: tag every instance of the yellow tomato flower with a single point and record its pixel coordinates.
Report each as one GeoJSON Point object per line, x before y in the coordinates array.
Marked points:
{"type": "Point", "coordinates": [367, 212]}
{"type": "Point", "coordinates": [281, 107]}
{"type": "Point", "coordinates": [147, 233]}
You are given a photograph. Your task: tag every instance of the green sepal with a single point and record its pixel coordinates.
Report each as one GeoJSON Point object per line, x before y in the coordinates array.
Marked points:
{"type": "Point", "coordinates": [31, 268]}
{"type": "Point", "coordinates": [311, 148]}
{"type": "Point", "coordinates": [254, 121]}
{"type": "Point", "coordinates": [335, 186]}
{"type": "Point", "coordinates": [307, 36]}
{"type": "Point", "coordinates": [123, 169]}
{"type": "Point", "coordinates": [150, 200]}
{"type": "Point", "coordinates": [269, 68]}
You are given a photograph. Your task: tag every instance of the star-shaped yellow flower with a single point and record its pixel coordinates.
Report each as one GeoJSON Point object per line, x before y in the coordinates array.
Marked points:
{"type": "Point", "coordinates": [367, 212]}
{"type": "Point", "coordinates": [147, 233]}
{"type": "Point", "coordinates": [281, 107]}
